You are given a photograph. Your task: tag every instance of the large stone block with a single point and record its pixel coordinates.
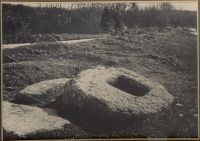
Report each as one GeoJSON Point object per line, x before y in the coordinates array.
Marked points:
{"type": "Point", "coordinates": [110, 96]}
{"type": "Point", "coordinates": [23, 120]}
{"type": "Point", "coordinates": [41, 93]}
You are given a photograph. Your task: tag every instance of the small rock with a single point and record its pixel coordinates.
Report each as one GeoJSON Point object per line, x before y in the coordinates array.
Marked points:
{"type": "Point", "coordinates": [195, 115]}
{"type": "Point", "coordinates": [179, 105]}
{"type": "Point", "coordinates": [10, 88]}
{"type": "Point", "coordinates": [180, 115]}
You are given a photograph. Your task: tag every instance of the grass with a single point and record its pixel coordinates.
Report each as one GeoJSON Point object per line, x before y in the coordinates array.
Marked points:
{"type": "Point", "coordinates": [167, 56]}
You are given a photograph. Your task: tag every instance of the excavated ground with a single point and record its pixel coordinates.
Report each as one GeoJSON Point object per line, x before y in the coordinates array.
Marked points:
{"type": "Point", "coordinates": [167, 56]}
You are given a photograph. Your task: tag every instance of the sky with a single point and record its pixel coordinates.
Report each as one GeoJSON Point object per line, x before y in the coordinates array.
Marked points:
{"type": "Point", "coordinates": [184, 5]}
{"type": "Point", "coordinates": [191, 6]}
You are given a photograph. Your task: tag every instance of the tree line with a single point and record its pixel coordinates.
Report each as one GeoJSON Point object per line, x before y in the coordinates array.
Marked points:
{"type": "Point", "coordinates": [20, 20]}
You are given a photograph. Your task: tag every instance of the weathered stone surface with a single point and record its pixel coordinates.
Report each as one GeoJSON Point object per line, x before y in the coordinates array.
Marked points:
{"type": "Point", "coordinates": [111, 94]}
{"type": "Point", "coordinates": [23, 119]}
{"type": "Point", "coordinates": [41, 93]}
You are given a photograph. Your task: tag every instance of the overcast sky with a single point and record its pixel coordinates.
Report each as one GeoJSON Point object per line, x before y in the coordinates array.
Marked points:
{"type": "Point", "coordinates": [192, 6]}
{"type": "Point", "coordinates": [184, 5]}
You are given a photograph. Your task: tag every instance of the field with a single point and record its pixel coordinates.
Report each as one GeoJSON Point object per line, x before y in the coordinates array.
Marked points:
{"type": "Point", "coordinates": [167, 56]}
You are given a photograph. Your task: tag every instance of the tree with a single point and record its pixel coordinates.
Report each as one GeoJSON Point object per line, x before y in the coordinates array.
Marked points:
{"type": "Point", "coordinates": [112, 18]}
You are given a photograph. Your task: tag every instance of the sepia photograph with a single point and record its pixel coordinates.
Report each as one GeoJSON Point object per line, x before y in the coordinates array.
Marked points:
{"type": "Point", "coordinates": [100, 70]}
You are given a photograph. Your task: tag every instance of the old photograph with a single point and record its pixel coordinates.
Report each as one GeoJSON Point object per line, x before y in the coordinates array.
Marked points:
{"type": "Point", "coordinates": [91, 70]}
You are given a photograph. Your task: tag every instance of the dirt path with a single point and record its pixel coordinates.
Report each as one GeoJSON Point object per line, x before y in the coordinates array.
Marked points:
{"type": "Point", "coordinates": [5, 46]}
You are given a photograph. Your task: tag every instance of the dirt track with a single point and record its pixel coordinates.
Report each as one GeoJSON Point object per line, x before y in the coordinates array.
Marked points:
{"type": "Point", "coordinates": [166, 56]}
{"type": "Point", "coordinates": [7, 46]}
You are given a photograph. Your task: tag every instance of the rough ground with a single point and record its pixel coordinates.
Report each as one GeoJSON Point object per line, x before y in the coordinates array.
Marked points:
{"type": "Point", "coordinates": [167, 56]}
